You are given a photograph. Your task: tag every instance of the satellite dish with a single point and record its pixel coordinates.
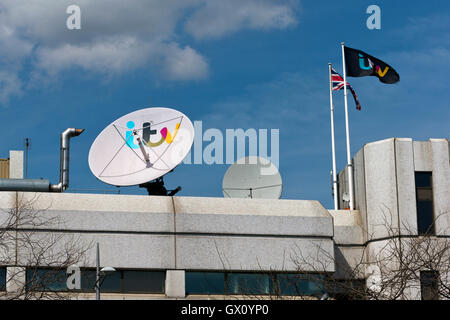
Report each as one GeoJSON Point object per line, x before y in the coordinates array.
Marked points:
{"type": "Point", "coordinates": [252, 177]}
{"type": "Point", "coordinates": [141, 146]}
{"type": "Point", "coordinates": [373, 282]}
{"type": "Point", "coordinates": [345, 197]}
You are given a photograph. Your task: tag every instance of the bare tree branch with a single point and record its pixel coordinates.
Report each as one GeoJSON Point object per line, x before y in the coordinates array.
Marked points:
{"type": "Point", "coordinates": [30, 243]}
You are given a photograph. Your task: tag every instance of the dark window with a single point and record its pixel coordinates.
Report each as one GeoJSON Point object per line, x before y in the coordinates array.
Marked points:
{"type": "Point", "coordinates": [41, 279]}
{"type": "Point", "coordinates": [143, 281]}
{"type": "Point", "coordinates": [88, 280]}
{"type": "Point", "coordinates": [111, 283]}
{"type": "Point", "coordinates": [121, 281]}
{"type": "Point", "coordinates": [205, 283]}
{"type": "Point", "coordinates": [424, 201]}
{"type": "Point", "coordinates": [247, 283]}
{"type": "Point", "coordinates": [2, 278]}
{"type": "Point", "coordinates": [423, 179]}
{"type": "Point", "coordinates": [300, 284]}
{"type": "Point", "coordinates": [429, 281]}
{"type": "Point", "coordinates": [125, 281]}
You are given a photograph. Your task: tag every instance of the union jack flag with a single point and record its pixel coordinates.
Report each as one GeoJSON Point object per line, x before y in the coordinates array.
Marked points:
{"type": "Point", "coordinates": [338, 84]}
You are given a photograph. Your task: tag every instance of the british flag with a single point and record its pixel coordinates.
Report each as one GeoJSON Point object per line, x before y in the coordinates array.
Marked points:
{"type": "Point", "coordinates": [338, 84]}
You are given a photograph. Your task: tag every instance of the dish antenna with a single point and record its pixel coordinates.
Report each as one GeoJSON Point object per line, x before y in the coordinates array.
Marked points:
{"type": "Point", "coordinates": [252, 177]}
{"type": "Point", "coordinates": [346, 197]}
{"type": "Point", "coordinates": [140, 147]}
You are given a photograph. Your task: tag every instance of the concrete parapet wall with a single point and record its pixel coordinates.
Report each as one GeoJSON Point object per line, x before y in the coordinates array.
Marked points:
{"type": "Point", "coordinates": [348, 227]}
{"type": "Point", "coordinates": [152, 232]}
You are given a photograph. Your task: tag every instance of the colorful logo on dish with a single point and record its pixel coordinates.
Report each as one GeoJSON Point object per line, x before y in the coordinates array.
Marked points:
{"type": "Point", "coordinates": [147, 132]}
{"type": "Point", "coordinates": [371, 66]}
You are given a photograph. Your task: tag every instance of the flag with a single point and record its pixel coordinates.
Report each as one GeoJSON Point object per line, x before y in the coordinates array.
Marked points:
{"type": "Point", "coordinates": [361, 64]}
{"type": "Point", "coordinates": [338, 84]}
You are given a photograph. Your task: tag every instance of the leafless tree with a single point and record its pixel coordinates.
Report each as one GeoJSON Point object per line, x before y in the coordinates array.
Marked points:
{"type": "Point", "coordinates": [30, 243]}
{"type": "Point", "coordinates": [271, 284]}
{"type": "Point", "coordinates": [391, 272]}
{"type": "Point", "coordinates": [394, 272]}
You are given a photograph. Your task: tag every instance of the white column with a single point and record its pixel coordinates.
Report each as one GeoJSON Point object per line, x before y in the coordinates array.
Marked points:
{"type": "Point", "coordinates": [15, 164]}
{"type": "Point", "coordinates": [15, 280]}
{"type": "Point", "coordinates": [175, 284]}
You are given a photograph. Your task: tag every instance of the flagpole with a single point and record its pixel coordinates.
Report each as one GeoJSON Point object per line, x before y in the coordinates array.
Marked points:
{"type": "Point", "coordinates": [349, 158]}
{"type": "Point", "coordinates": [333, 150]}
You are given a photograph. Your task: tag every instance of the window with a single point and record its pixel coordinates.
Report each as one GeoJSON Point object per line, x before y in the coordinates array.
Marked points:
{"type": "Point", "coordinates": [424, 201]}
{"type": "Point", "coordinates": [121, 281]}
{"type": "Point", "coordinates": [42, 279]}
{"type": "Point", "coordinates": [429, 281]}
{"type": "Point", "coordinates": [300, 284]}
{"type": "Point", "coordinates": [205, 283]}
{"type": "Point", "coordinates": [126, 281]}
{"type": "Point", "coordinates": [143, 281]}
{"type": "Point", "coordinates": [247, 283]}
{"type": "Point", "coordinates": [2, 278]}
{"type": "Point", "coordinates": [110, 283]}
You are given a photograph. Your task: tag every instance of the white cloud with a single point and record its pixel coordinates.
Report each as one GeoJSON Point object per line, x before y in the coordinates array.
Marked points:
{"type": "Point", "coordinates": [184, 64]}
{"type": "Point", "coordinates": [217, 18]}
{"type": "Point", "coordinates": [12, 47]}
{"type": "Point", "coordinates": [120, 36]}
{"type": "Point", "coordinates": [114, 55]}
{"type": "Point", "coordinates": [10, 85]}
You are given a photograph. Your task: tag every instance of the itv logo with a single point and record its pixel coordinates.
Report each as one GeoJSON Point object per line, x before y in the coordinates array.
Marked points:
{"type": "Point", "coordinates": [147, 132]}
{"type": "Point", "coordinates": [371, 66]}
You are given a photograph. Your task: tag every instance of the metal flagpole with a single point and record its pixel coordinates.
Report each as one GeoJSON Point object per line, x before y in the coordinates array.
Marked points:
{"type": "Point", "coordinates": [97, 275]}
{"type": "Point", "coordinates": [349, 158]}
{"type": "Point", "coordinates": [333, 150]}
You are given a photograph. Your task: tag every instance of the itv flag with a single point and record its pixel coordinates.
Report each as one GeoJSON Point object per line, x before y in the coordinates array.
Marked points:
{"type": "Point", "coordinates": [361, 64]}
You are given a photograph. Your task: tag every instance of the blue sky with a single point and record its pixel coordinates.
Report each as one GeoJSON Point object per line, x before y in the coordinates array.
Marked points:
{"type": "Point", "coordinates": [232, 64]}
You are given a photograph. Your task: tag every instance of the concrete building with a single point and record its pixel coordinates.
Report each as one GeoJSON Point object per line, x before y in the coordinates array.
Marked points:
{"type": "Point", "coordinates": [12, 167]}
{"type": "Point", "coordinates": [402, 191]}
{"type": "Point", "coordinates": [192, 247]}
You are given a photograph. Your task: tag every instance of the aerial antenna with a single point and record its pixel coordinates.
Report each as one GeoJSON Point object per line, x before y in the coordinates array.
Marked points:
{"type": "Point", "coordinates": [27, 147]}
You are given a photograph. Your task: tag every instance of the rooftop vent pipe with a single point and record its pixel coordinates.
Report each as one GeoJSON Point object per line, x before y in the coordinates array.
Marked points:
{"type": "Point", "coordinates": [64, 159]}
{"type": "Point", "coordinates": [43, 185]}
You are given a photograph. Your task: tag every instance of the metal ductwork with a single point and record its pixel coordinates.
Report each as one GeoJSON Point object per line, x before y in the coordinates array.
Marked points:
{"type": "Point", "coordinates": [33, 185]}
{"type": "Point", "coordinates": [43, 185]}
{"type": "Point", "coordinates": [64, 159]}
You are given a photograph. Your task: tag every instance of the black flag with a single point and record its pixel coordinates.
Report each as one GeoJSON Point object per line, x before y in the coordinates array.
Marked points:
{"type": "Point", "coordinates": [361, 64]}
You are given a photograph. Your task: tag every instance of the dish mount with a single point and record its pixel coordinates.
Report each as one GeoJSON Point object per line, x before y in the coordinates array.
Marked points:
{"type": "Point", "coordinates": [157, 188]}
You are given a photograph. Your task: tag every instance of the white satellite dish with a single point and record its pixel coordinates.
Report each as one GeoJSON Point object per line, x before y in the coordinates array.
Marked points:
{"type": "Point", "coordinates": [252, 177]}
{"type": "Point", "coordinates": [373, 275]}
{"type": "Point", "coordinates": [141, 146]}
{"type": "Point", "coordinates": [346, 197]}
